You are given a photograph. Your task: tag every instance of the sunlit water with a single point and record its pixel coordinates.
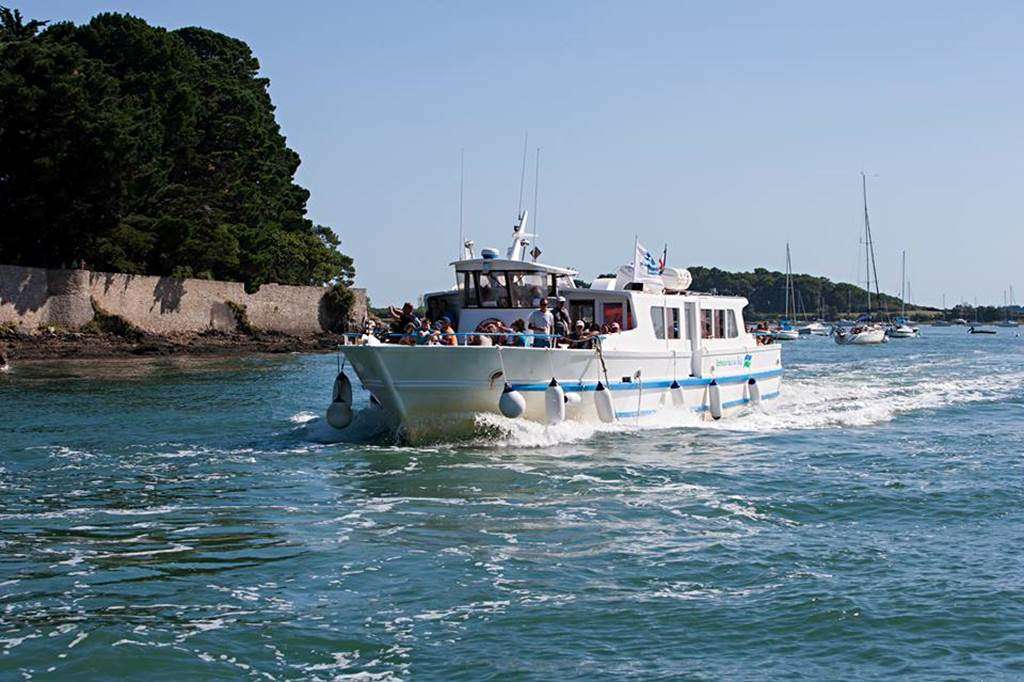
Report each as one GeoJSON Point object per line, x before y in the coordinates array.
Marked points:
{"type": "Point", "coordinates": [196, 519]}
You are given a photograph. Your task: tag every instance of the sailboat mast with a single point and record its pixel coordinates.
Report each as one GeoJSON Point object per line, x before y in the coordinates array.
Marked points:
{"type": "Point", "coordinates": [903, 287]}
{"type": "Point", "coordinates": [789, 283]}
{"type": "Point", "coordinates": [867, 240]}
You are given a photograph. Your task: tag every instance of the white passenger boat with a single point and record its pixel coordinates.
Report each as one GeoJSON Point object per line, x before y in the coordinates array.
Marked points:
{"type": "Point", "coordinates": [678, 351]}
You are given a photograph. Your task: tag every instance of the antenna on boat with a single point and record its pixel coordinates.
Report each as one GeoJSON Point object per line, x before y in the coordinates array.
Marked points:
{"type": "Point", "coordinates": [536, 233]}
{"type": "Point", "coordinates": [522, 175]}
{"type": "Point", "coordinates": [462, 186]}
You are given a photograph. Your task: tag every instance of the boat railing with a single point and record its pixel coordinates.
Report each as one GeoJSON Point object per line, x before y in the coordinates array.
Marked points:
{"type": "Point", "coordinates": [463, 337]}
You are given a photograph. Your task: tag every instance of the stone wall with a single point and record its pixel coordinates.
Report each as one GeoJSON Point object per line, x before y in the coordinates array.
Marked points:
{"type": "Point", "coordinates": [33, 298]}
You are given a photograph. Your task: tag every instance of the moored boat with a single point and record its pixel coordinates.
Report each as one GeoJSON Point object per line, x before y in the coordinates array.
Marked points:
{"type": "Point", "coordinates": [667, 348]}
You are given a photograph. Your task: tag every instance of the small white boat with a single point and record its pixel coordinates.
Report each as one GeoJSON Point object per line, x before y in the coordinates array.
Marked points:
{"type": "Point", "coordinates": [860, 335]}
{"type": "Point", "coordinates": [785, 334]}
{"type": "Point", "coordinates": [902, 331]}
{"type": "Point", "coordinates": [815, 329]}
{"type": "Point", "coordinates": [677, 351]}
{"type": "Point", "coordinates": [901, 327]}
{"type": "Point", "coordinates": [786, 331]}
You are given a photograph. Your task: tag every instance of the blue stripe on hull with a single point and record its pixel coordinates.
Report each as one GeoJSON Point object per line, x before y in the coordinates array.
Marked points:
{"type": "Point", "coordinates": [702, 408]}
{"type": "Point", "coordinates": [659, 383]}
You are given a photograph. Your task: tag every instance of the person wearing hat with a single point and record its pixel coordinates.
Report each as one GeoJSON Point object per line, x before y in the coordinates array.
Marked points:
{"type": "Point", "coordinates": [579, 337]}
{"type": "Point", "coordinates": [448, 338]}
{"type": "Point", "coordinates": [541, 322]}
{"type": "Point", "coordinates": [563, 323]}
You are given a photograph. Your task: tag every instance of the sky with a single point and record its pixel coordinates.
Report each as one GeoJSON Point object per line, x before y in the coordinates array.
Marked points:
{"type": "Point", "coordinates": [723, 130]}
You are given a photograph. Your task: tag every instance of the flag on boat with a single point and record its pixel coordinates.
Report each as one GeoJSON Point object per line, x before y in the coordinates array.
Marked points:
{"type": "Point", "coordinates": [645, 265]}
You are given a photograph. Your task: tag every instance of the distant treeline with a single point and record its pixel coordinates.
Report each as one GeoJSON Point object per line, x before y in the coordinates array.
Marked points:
{"type": "Point", "coordinates": [766, 291]}
{"type": "Point", "coordinates": [140, 150]}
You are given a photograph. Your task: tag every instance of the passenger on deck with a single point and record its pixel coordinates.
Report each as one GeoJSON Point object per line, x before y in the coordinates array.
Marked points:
{"type": "Point", "coordinates": [448, 338]}
{"type": "Point", "coordinates": [615, 328]}
{"type": "Point", "coordinates": [563, 323]}
{"type": "Point", "coordinates": [519, 337]}
{"type": "Point", "coordinates": [404, 317]}
{"type": "Point", "coordinates": [542, 322]}
{"type": "Point", "coordinates": [409, 336]}
{"type": "Point", "coordinates": [424, 335]}
{"type": "Point", "coordinates": [579, 337]}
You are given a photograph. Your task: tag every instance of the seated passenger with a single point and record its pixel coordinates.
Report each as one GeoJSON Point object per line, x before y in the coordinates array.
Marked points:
{"type": "Point", "coordinates": [425, 335]}
{"type": "Point", "coordinates": [579, 337]}
{"type": "Point", "coordinates": [519, 333]}
{"type": "Point", "coordinates": [409, 337]}
{"type": "Point", "coordinates": [448, 338]}
{"type": "Point", "coordinates": [615, 328]}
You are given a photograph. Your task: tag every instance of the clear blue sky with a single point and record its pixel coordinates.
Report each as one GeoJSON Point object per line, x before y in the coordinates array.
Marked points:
{"type": "Point", "coordinates": [722, 130]}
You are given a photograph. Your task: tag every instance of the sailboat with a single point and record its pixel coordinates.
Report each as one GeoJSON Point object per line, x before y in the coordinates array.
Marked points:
{"type": "Point", "coordinates": [864, 331]}
{"type": "Point", "coordinates": [901, 329]}
{"type": "Point", "coordinates": [1007, 322]}
{"type": "Point", "coordinates": [976, 326]}
{"type": "Point", "coordinates": [942, 321]}
{"type": "Point", "coordinates": [786, 330]}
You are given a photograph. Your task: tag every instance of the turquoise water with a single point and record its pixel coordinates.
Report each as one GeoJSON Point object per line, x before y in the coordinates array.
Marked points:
{"type": "Point", "coordinates": [195, 519]}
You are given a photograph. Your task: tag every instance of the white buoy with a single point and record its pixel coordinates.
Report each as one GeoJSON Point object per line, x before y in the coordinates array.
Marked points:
{"type": "Point", "coordinates": [554, 402]}
{"type": "Point", "coordinates": [603, 403]}
{"type": "Point", "coordinates": [512, 403]}
{"type": "Point", "coordinates": [339, 412]}
{"type": "Point", "coordinates": [572, 399]}
{"type": "Point", "coordinates": [676, 391]}
{"type": "Point", "coordinates": [753, 392]}
{"type": "Point", "coordinates": [715, 400]}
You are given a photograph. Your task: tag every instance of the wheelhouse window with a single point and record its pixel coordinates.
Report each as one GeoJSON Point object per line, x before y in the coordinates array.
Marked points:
{"type": "Point", "coordinates": [658, 321]}
{"type": "Point", "coordinates": [527, 287]}
{"type": "Point", "coordinates": [493, 290]}
{"type": "Point", "coordinates": [469, 297]}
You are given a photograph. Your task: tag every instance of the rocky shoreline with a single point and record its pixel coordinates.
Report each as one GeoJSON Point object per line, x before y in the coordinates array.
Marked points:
{"type": "Point", "coordinates": [49, 345]}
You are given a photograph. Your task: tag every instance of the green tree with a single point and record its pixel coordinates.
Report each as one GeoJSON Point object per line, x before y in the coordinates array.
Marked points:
{"type": "Point", "coordinates": [142, 150]}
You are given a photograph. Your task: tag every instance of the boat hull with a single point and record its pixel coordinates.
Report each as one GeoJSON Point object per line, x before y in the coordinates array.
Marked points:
{"type": "Point", "coordinates": [430, 392]}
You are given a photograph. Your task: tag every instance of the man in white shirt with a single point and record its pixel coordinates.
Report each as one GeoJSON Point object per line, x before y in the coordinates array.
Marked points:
{"type": "Point", "coordinates": [541, 322]}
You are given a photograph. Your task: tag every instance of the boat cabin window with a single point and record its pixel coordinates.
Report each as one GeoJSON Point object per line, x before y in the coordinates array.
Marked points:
{"type": "Point", "coordinates": [658, 321]}
{"type": "Point", "coordinates": [492, 290]}
{"type": "Point", "coordinates": [731, 330]}
{"type": "Point", "coordinates": [718, 323]}
{"type": "Point", "coordinates": [613, 312]}
{"type": "Point", "coordinates": [469, 297]}
{"type": "Point", "coordinates": [582, 310]}
{"type": "Point", "coordinates": [674, 320]}
{"type": "Point", "coordinates": [526, 287]}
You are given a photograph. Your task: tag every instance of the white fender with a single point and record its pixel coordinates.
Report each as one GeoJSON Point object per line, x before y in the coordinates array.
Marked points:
{"type": "Point", "coordinates": [339, 412]}
{"type": "Point", "coordinates": [573, 399]}
{"type": "Point", "coordinates": [554, 402]}
{"type": "Point", "coordinates": [676, 391]}
{"type": "Point", "coordinates": [715, 400]}
{"type": "Point", "coordinates": [753, 392]}
{"type": "Point", "coordinates": [511, 403]}
{"type": "Point", "coordinates": [603, 403]}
